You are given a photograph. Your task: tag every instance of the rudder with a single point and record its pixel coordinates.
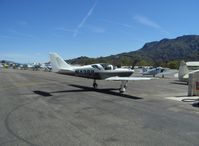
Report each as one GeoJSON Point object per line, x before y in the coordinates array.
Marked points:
{"type": "Point", "coordinates": [183, 70]}
{"type": "Point", "coordinates": [58, 63]}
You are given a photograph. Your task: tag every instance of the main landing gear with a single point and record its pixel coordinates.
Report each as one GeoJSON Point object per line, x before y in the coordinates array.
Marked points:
{"type": "Point", "coordinates": [95, 84]}
{"type": "Point", "coordinates": [122, 89]}
{"type": "Point", "coordinates": [123, 86]}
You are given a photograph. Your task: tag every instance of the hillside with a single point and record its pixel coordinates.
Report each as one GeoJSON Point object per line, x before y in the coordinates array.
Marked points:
{"type": "Point", "coordinates": [165, 52]}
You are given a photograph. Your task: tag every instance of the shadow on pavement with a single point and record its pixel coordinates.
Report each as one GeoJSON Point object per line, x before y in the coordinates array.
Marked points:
{"type": "Point", "coordinates": [42, 93]}
{"type": "Point", "coordinates": [195, 104]}
{"type": "Point", "coordinates": [179, 83]}
{"type": "Point", "coordinates": [109, 91]}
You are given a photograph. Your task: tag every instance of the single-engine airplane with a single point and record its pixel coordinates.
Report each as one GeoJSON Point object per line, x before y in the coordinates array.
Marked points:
{"type": "Point", "coordinates": [100, 71]}
{"type": "Point", "coordinates": [154, 71]}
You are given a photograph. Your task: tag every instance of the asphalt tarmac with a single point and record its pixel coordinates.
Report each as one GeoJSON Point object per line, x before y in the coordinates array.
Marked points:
{"type": "Point", "coordinates": [48, 109]}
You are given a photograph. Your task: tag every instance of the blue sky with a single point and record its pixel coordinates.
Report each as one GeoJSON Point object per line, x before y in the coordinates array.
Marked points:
{"type": "Point", "coordinates": [30, 29]}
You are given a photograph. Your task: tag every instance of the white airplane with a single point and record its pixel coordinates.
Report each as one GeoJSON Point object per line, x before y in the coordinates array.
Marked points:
{"type": "Point", "coordinates": [98, 71]}
{"type": "Point", "coordinates": [153, 71]}
{"type": "Point", "coordinates": [183, 74]}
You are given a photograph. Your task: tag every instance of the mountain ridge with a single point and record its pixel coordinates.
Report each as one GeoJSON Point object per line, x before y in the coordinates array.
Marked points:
{"type": "Point", "coordinates": [156, 53]}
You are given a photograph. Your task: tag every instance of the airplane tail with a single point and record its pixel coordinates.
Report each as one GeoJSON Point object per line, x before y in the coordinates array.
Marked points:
{"type": "Point", "coordinates": [143, 70]}
{"type": "Point", "coordinates": [183, 70]}
{"type": "Point", "coordinates": [58, 63]}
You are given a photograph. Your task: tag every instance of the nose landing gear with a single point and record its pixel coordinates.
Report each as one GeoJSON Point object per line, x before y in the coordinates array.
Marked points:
{"type": "Point", "coordinates": [123, 86]}
{"type": "Point", "coordinates": [95, 84]}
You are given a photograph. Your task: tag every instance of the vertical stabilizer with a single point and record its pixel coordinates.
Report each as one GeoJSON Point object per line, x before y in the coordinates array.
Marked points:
{"type": "Point", "coordinates": [58, 63]}
{"type": "Point", "coordinates": [183, 71]}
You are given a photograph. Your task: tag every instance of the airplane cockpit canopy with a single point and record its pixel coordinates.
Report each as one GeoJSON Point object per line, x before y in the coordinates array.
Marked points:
{"type": "Point", "coordinates": [103, 66]}
{"type": "Point", "coordinates": [107, 66]}
{"type": "Point", "coordinates": [97, 66]}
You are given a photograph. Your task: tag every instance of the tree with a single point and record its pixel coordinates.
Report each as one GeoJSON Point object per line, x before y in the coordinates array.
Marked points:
{"type": "Point", "coordinates": [173, 64]}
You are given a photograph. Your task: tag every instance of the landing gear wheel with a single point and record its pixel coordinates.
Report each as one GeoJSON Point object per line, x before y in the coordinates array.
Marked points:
{"type": "Point", "coordinates": [123, 87]}
{"type": "Point", "coordinates": [95, 85]}
{"type": "Point", "coordinates": [122, 90]}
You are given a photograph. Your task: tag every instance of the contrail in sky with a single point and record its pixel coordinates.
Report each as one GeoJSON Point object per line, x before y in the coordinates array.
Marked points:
{"type": "Point", "coordinates": [84, 19]}
{"type": "Point", "coordinates": [146, 21]}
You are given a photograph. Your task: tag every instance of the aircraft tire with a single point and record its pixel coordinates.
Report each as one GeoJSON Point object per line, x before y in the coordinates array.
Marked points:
{"type": "Point", "coordinates": [95, 85]}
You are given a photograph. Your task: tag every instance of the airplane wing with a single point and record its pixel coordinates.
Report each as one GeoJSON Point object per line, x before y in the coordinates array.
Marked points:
{"type": "Point", "coordinates": [186, 76]}
{"type": "Point", "coordinates": [169, 72]}
{"type": "Point", "coordinates": [193, 71]}
{"type": "Point", "coordinates": [116, 78]}
{"type": "Point", "coordinates": [124, 81]}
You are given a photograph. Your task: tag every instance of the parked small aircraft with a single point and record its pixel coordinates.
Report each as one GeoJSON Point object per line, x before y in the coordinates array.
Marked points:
{"type": "Point", "coordinates": [100, 71]}
{"type": "Point", "coordinates": [183, 74]}
{"type": "Point", "coordinates": [153, 71]}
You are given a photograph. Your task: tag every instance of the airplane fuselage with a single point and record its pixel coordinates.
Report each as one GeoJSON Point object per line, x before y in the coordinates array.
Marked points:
{"type": "Point", "coordinates": [97, 71]}
{"type": "Point", "coordinates": [153, 71]}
